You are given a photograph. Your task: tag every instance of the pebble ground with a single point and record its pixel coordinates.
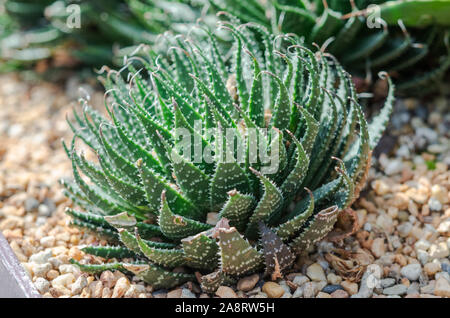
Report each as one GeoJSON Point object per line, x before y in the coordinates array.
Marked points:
{"type": "Point", "coordinates": [401, 248]}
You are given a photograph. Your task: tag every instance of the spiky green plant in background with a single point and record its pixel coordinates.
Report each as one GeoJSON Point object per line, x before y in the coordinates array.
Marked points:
{"type": "Point", "coordinates": [40, 30]}
{"type": "Point", "coordinates": [408, 40]}
{"type": "Point", "coordinates": [149, 196]}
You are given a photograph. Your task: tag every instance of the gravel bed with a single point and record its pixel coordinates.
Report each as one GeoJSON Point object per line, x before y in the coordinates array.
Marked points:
{"type": "Point", "coordinates": [401, 248]}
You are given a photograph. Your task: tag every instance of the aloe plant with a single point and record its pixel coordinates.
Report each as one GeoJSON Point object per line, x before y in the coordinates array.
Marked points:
{"type": "Point", "coordinates": [41, 29]}
{"type": "Point", "coordinates": [299, 152]}
{"type": "Point", "coordinates": [405, 38]}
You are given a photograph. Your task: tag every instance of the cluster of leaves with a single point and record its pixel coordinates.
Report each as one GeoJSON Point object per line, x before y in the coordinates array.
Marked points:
{"type": "Point", "coordinates": [364, 39]}
{"type": "Point", "coordinates": [49, 29]}
{"type": "Point", "coordinates": [151, 198]}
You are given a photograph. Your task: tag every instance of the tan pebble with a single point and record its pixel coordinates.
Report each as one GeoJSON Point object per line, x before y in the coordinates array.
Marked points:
{"type": "Point", "coordinates": [63, 280]}
{"type": "Point", "coordinates": [405, 281]}
{"type": "Point", "coordinates": [52, 274]}
{"type": "Point", "coordinates": [315, 273]}
{"type": "Point", "coordinates": [439, 193]}
{"type": "Point", "coordinates": [412, 208]}
{"type": "Point", "coordinates": [96, 289]}
{"type": "Point", "coordinates": [75, 253]}
{"type": "Point", "coordinates": [273, 290]}
{"type": "Point", "coordinates": [339, 294]}
{"type": "Point", "coordinates": [432, 268]}
{"type": "Point", "coordinates": [323, 295]}
{"type": "Point", "coordinates": [380, 187]}
{"type": "Point", "coordinates": [47, 241]}
{"type": "Point", "coordinates": [351, 288]}
{"type": "Point", "coordinates": [142, 295]}
{"type": "Point", "coordinates": [440, 250]}
{"type": "Point", "coordinates": [334, 279]}
{"type": "Point", "coordinates": [425, 210]}
{"type": "Point", "coordinates": [108, 279]}
{"type": "Point", "coordinates": [378, 247]}
{"type": "Point", "coordinates": [79, 284]}
{"type": "Point", "coordinates": [442, 287]}
{"type": "Point", "coordinates": [226, 292]}
{"type": "Point", "coordinates": [85, 293]}
{"type": "Point", "coordinates": [122, 285]}
{"type": "Point", "coordinates": [400, 259]}
{"type": "Point", "coordinates": [176, 293]}
{"type": "Point", "coordinates": [247, 283]}
{"type": "Point", "coordinates": [106, 292]}
{"type": "Point", "coordinates": [132, 292]}
{"type": "Point", "coordinates": [400, 201]}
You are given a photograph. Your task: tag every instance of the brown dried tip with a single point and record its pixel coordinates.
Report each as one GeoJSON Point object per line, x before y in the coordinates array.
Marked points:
{"type": "Point", "coordinates": [222, 224]}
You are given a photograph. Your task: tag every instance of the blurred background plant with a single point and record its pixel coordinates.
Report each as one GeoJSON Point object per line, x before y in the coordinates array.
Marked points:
{"type": "Point", "coordinates": [68, 33]}
{"type": "Point", "coordinates": [405, 38]}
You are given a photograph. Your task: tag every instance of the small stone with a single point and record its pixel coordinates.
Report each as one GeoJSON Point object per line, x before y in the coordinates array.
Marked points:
{"type": "Point", "coordinates": [227, 292]}
{"type": "Point", "coordinates": [378, 248]}
{"type": "Point", "coordinates": [422, 245]}
{"type": "Point", "coordinates": [422, 256]}
{"type": "Point", "coordinates": [248, 283]}
{"type": "Point", "coordinates": [432, 268]}
{"type": "Point", "coordinates": [411, 271]}
{"type": "Point", "coordinates": [399, 289]}
{"type": "Point", "coordinates": [31, 204]}
{"type": "Point", "coordinates": [315, 273]}
{"type": "Point", "coordinates": [122, 285]}
{"type": "Point", "coordinates": [298, 293]}
{"type": "Point", "coordinates": [41, 270]}
{"type": "Point", "coordinates": [387, 282]}
{"type": "Point", "coordinates": [52, 274]}
{"type": "Point", "coordinates": [439, 250]}
{"type": "Point", "coordinates": [108, 279]}
{"type": "Point", "coordinates": [323, 295]}
{"type": "Point", "coordinates": [444, 226]}
{"type": "Point", "coordinates": [69, 268]}
{"type": "Point", "coordinates": [334, 279]}
{"type": "Point", "coordinates": [442, 287]}
{"type": "Point", "coordinates": [339, 294]}
{"type": "Point", "coordinates": [331, 288]}
{"type": "Point", "coordinates": [47, 241]}
{"type": "Point", "coordinates": [309, 290]}
{"type": "Point", "coordinates": [400, 201]}
{"type": "Point", "coordinates": [64, 280]}
{"type": "Point", "coordinates": [428, 289]}
{"type": "Point", "coordinates": [106, 292]}
{"type": "Point", "coordinates": [79, 284]}
{"type": "Point", "coordinates": [434, 205]}
{"type": "Point", "coordinates": [41, 257]}
{"type": "Point", "coordinates": [186, 293]}
{"type": "Point", "coordinates": [273, 290]}
{"type": "Point", "coordinates": [176, 293]}
{"type": "Point", "coordinates": [439, 193]}
{"type": "Point", "coordinates": [404, 229]}
{"type": "Point", "coordinates": [393, 167]}
{"type": "Point", "coordinates": [299, 280]}
{"type": "Point", "coordinates": [42, 285]}
{"type": "Point", "coordinates": [380, 187]}
{"type": "Point", "coordinates": [413, 289]}
{"type": "Point", "coordinates": [349, 287]}
{"type": "Point", "coordinates": [43, 210]}
{"type": "Point", "coordinates": [96, 289]}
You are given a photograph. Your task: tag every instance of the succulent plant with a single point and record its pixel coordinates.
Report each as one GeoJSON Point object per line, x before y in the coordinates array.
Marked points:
{"type": "Point", "coordinates": [48, 30]}
{"type": "Point", "coordinates": [405, 38]}
{"type": "Point", "coordinates": [277, 145]}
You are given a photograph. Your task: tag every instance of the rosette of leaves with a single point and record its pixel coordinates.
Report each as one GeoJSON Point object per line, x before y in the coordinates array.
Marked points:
{"type": "Point", "coordinates": [227, 214]}
{"type": "Point", "coordinates": [405, 38]}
